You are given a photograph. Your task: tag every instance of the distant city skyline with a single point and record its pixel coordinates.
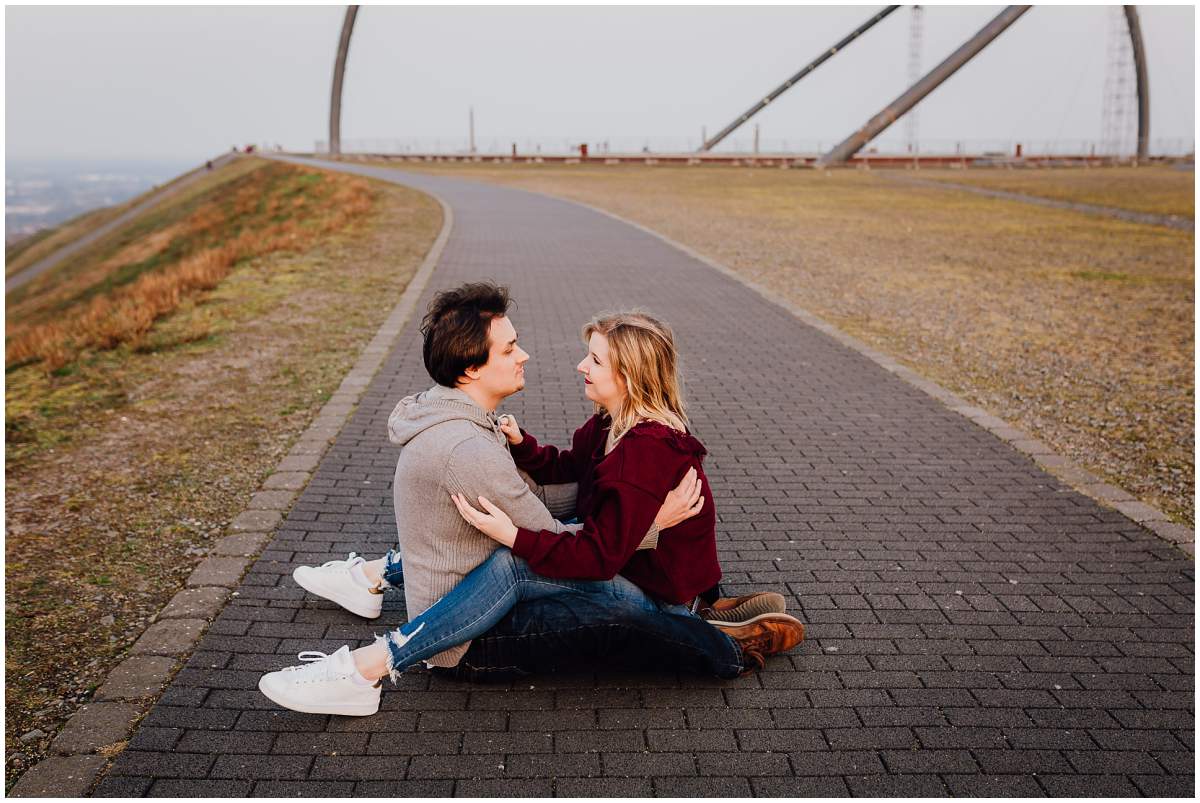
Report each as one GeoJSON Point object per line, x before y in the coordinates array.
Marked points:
{"type": "Point", "coordinates": [186, 83]}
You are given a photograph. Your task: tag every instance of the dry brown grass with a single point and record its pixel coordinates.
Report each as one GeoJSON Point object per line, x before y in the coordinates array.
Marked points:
{"type": "Point", "coordinates": [126, 466]}
{"type": "Point", "coordinates": [29, 250]}
{"type": "Point", "coordinates": [1155, 189]}
{"type": "Point", "coordinates": [126, 312]}
{"type": "Point", "coordinates": [1077, 329]}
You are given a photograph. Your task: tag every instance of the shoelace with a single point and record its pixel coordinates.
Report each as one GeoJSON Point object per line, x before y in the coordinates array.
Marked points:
{"type": "Point", "coordinates": [341, 563]}
{"type": "Point", "coordinates": [315, 664]}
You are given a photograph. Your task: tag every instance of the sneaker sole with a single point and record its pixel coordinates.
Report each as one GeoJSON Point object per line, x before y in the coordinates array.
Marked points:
{"type": "Point", "coordinates": [740, 623]}
{"type": "Point", "coordinates": [763, 604]}
{"type": "Point", "coordinates": [312, 589]}
{"type": "Point", "coordinates": [360, 710]}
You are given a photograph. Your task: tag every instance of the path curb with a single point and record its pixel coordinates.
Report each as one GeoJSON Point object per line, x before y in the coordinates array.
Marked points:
{"type": "Point", "coordinates": [81, 756]}
{"type": "Point", "coordinates": [1074, 475]}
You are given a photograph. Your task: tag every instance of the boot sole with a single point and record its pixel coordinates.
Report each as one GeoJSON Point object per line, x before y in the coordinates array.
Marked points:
{"type": "Point", "coordinates": [755, 617]}
{"type": "Point", "coordinates": [360, 710]}
{"type": "Point", "coordinates": [766, 602]}
{"type": "Point", "coordinates": [323, 594]}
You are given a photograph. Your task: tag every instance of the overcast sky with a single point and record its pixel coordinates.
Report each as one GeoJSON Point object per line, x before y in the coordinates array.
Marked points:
{"type": "Point", "coordinates": [186, 83]}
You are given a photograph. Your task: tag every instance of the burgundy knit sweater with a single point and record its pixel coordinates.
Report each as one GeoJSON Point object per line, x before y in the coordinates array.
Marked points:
{"type": "Point", "coordinates": [619, 496]}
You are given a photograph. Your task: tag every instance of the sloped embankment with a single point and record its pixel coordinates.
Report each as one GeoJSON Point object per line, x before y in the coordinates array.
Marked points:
{"type": "Point", "coordinates": [113, 294]}
{"type": "Point", "coordinates": [127, 461]}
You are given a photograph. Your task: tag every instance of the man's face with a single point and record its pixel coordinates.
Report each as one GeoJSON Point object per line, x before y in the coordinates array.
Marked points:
{"type": "Point", "coordinates": [504, 372]}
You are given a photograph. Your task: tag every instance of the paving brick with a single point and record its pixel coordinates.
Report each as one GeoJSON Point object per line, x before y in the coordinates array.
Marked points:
{"type": "Point", "coordinates": [477, 766]}
{"type": "Point", "coordinates": [217, 571]}
{"type": "Point", "coordinates": [59, 776]}
{"type": "Point", "coordinates": [604, 787]}
{"type": "Point", "coordinates": [743, 763]}
{"type": "Point", "coordinates": [242, 544]}
{"type": "Point", "coordinates": [783, 740]}
{"type": "Point", "coordinates": [1026, 762]}
{"type": "Point", "coordinates": [195, 603]}
{"type": "Point", "coordinates": [255, 521]}
{"type": "Point", "coordinates": [942, 761]}
{"type": "Point", "coordinates": [472, 720]}
{"type": "Point", "coordinates": [842, 762]}
{"type": "Point", "coordinates": [196, 787]}
{"type": "Point", "coordinates": [1088, 785]}
{"type": "Point", "coordinates": [402, 789]}
{"type": "Point", "coordinates": [286, 481]}
{"type": "Point", "coordinates": [271, 500]}
{"type": "Point", "coordinates": [1166, 786]}
{"type": "Point", "coordinates": [162, 765]}
{"type": "Point", "coordinates": [648, 764]}
{"type": "Point", "coordinates": [152, 738]}
{"type": "Point", "coordinates": [993, 786]}
{"type": "Point", "coordinates": [136, 677]}
{"type": "Point", "coordinates": [800, 787]}
{"type": "Point", "coordinates": [504, 787]}
{"type": "Point", "coordinates": [120, 786]}
{"type": "Point", "coordinates": [695, 740]}
{"type": "Point", "coordinates": [898, 786]}
{"type": "Point", "coordinates": [169, 637]}
{"type": "Point", "coordinates": [384, 743]}
{"type": "Point", "coordinates": [607, 740]}
{"type": "Point", "coordinates": [1108, 762]}
{"type": "Point", "coordinates": [702, 787]}
{"type": "Point", "coordinates": [222, 742]}
{"type": "Point", "coordinates": [870, 738]}
{"type": "Point", "coordinates": [560, 765]}
{"type": "Point", "coordinates": [94, 727]}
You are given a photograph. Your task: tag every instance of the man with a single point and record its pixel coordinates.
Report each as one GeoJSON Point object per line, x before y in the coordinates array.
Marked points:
{"type": "Point", "coordinates": [451, 439]}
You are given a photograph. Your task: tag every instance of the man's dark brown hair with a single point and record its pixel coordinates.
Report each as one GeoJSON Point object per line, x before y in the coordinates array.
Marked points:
{"type": "Point", "coordinates": [456, 329]}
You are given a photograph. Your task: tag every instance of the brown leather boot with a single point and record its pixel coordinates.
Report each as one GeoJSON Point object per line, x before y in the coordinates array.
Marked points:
{"type": "Point", "coordinates": [768, 634]}
{"type": "Point", "coordinates": [740, 610]}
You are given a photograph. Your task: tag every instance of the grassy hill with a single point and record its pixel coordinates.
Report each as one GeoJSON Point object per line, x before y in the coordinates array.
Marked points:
{"type": "Point", "coordinates": [154, 382]}
{"type": "Point", "coordinates": [21, 254]}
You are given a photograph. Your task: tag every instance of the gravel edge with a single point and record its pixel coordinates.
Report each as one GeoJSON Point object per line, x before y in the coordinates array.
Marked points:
{"type": "Point", "coordinates": [83, 749]}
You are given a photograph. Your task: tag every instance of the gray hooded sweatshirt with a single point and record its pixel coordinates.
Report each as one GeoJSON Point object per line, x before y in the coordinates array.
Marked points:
{"type": "Point", "coordinates": [449, 444]}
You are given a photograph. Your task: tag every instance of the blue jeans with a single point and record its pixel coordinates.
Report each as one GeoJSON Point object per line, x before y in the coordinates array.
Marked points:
{"type": "Point", "coordinates": [560, 621]}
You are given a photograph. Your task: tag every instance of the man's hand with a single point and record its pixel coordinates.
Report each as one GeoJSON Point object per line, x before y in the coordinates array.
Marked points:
{"type": "Point", "coordinates": [495, 523]}
{"type": "Point", "coordinates": [508, 425]}
{"type": "Point", "coordinates": [683, 502]}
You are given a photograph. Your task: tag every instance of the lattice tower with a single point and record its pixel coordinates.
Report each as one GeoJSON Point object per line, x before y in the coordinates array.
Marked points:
{"type": "Point", "coordinates": [1118, 114]}
{"type": "Point", "coordinates": [916, 25]}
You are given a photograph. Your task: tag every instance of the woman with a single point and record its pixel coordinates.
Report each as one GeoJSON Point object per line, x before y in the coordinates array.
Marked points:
{"type": "Point", "coordinates": [625, 458]}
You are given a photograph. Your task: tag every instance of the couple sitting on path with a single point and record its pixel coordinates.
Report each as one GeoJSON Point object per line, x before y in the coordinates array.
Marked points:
{"type": "Point", "coordinates": [494, 584]}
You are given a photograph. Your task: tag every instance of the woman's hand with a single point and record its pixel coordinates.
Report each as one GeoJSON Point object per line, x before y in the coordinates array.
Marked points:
{"type": "Point", "coordinates": [508, 425]}
{"type": "Point", "coordinates": [495, 523]}
{"type": "Point", "coordinates": [683, 502]}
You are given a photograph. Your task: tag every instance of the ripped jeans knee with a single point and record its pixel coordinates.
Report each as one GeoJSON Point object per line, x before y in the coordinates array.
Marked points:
{"type": "Point", "coordinates": [393, 570]}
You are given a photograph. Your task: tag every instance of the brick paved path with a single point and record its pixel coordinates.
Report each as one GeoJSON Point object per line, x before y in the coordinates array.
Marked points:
{"type": "Point", "coordinates": [974, 625]}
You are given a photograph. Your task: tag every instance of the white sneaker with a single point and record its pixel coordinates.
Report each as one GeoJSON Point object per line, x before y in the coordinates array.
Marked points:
{"type": "Point", "coordinates": [323, 685]}
{"type": "Point", "coordinates": [332, 580]}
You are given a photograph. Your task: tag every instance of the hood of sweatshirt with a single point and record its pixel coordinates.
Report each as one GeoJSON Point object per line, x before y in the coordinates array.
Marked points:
{"type": "Point", "coordinates": [415, 414]}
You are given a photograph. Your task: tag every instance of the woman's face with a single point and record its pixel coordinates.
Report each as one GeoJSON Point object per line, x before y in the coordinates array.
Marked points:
{"type": "Point", "coordinates": [601, 384]}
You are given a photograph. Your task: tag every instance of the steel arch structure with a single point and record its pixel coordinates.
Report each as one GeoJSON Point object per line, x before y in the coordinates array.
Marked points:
{"type": "Point", "coordinates": [873, 127]}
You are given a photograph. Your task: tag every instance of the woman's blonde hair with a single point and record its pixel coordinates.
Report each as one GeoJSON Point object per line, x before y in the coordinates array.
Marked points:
{"type": "Point", "coordinates": [643, 355]}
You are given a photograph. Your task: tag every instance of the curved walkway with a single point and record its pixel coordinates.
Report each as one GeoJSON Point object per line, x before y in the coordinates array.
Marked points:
{"type": "Point", "coordinates": [975, 626]}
